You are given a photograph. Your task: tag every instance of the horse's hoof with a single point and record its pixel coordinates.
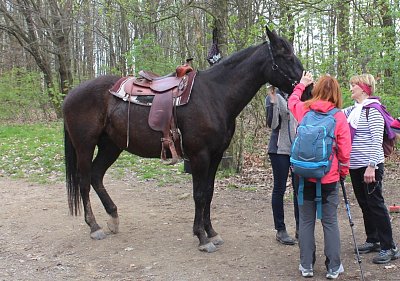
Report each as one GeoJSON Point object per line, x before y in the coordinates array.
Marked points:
{"type": "Point", "coordinates": [113, 225]}
{"type": "Point", "coordinates": [217, 240]}
{"type": "Point", "coordinates": [209, 248]}
{"type": "Point", "coordinates": [98, 234]}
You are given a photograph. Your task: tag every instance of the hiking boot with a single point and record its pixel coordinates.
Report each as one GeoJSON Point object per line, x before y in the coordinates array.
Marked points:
{"type": "Point", "coordinates": [368, 247]}
{"type": "Point", "coordinates": [386, 256]}
{"type": "Point", "coordinates": [283, 237]}
{"type": "Point", "coordinates": [334, 274]}
{"type": "Point", "coordinates": [306, 272]}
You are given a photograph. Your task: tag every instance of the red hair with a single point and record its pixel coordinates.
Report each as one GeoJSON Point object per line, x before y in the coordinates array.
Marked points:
{"type": "Point", "coordinates": [327, 88]}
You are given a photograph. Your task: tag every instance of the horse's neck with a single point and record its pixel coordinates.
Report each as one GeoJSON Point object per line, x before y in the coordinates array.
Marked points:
{"type": "Point", "coordinates": [239, 82]}
{"type": "Point", "coordinates": [242, 93]}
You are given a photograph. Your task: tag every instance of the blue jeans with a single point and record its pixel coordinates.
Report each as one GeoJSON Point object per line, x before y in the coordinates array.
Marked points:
{"type": "Point", "coordinates": [280, 169]}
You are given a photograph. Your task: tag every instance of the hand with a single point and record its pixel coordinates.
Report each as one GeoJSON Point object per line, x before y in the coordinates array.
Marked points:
{"type": "Point", "coordinates": [307, 78]}
{"type": "Point", "coordinates": [369, 175]}
{"type": "Point", "coordinates": [272, 94]}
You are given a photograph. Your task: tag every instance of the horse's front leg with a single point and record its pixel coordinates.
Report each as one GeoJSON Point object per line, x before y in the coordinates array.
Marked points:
{"type": "Point", "coordinates": [213, 236]}
{"type": "Point", "coordinates": [199, 221]}
{"type": "Point", "coordinates": [202, 195]}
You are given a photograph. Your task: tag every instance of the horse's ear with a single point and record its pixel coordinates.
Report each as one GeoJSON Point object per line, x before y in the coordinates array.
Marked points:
{"type": "Point", "coordinates": [279, 44]}
{"type": "Point", "coordinates": [272, 36]}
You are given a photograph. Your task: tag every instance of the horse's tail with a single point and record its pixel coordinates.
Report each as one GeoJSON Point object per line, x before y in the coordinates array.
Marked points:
{"type": "Point", "coordinates": [71, 173]}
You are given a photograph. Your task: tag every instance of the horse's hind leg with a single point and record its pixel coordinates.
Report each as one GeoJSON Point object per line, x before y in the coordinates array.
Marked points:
{"type": "Point", "coordinates": [84, 163]}
{"type": "Point", "coordinates": [107, 153]}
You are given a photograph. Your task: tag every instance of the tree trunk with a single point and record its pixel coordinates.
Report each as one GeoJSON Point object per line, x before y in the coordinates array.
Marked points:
{"type": "Point", "coordinates": [343, 36]}
{"type": "Point", "coordinates": [88, 55]}
{"type": "Point", "coordinates": [60, 33]}
{"type": "Point", "coordinates": [230, 158]}
{"type": "Point", "coordinates": [389, 32]}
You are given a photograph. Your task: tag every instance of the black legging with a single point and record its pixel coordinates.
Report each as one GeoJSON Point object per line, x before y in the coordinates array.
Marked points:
{"type": "Point", "coordinates": [375, 214]}
{"type": "Point", "coordinates": [280, 169]}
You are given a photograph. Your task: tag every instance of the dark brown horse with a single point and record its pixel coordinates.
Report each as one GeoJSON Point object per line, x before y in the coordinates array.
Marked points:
{"type": "Point", "coordinates": [93, 117]}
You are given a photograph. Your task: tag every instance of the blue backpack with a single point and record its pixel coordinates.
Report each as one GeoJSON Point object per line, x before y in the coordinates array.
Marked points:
{"type": "Point", "coordinates": [311, 155]}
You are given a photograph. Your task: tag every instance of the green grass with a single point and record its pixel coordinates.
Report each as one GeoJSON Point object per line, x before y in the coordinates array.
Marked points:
{"type": "Point", "coordinates": [32, 151]}
{"type": "Point", "coordinates": [36, 152]}
{"type": "Point", "coordinates": [241, 188]}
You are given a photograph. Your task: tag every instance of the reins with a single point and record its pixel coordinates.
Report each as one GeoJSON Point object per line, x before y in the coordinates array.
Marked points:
{"type": "Point", "coordinates": [276, 67]}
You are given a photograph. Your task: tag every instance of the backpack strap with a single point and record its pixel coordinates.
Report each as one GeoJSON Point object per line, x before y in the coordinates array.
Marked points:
{"type": "Point", "coordinates": [318, 187]}
{"type": "Point", "coordinates": [318, 195]}
{"type": "Point", "coordinates": [388, 119]}
{"type": "Point", "coordinates": [318, 198]}
{"type": "Point", "coordinates": [300, 194]}
{"type": "Point", "coordinates": [333, 111]}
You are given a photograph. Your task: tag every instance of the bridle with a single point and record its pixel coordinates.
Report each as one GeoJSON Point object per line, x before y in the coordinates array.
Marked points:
{"type": "Point", "coordinates": [275, 67]}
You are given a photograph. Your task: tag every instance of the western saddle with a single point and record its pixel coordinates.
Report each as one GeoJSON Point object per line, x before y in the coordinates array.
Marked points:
{"type": "Point", "coordinates": [168, 91]}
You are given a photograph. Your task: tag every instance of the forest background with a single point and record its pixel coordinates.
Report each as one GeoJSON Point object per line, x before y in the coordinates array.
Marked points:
{"type": "Point", "coordinates": [49, 46]}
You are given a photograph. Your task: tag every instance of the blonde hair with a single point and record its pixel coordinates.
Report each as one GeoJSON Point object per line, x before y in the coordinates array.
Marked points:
{"type": "Point", "coordinates": [326, 88]}
{"type": "Point", "coordinates": [365, 78]}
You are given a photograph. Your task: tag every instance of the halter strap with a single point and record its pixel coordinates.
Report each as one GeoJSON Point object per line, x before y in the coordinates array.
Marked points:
{"type": "Point", "coordinates": [276, 67]}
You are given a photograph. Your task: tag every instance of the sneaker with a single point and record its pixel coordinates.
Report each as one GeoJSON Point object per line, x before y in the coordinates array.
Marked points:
{"type": "Point", "coordinates": [368, 247]}
{"type": "Point", "coordinates": [334, 274]}
{"type": "Point", "coordinates": [283, 237]}
{"type": "Point", "coordinates": [386, 256]}
{"type": "Point", "coordinates": [306, 272]}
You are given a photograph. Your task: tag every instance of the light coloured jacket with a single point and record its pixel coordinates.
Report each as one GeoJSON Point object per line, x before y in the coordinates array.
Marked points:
{"type": "Point", "coordinates": [283, 125]}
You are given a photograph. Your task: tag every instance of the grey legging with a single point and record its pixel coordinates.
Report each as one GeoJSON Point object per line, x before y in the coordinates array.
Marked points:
{"type": "Point", "coordinates": [307, 215]}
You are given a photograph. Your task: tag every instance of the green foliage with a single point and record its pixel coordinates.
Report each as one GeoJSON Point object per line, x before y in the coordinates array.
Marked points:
{"type": "Point", "coordinates": [147, 54]}
{"type": "Point", "coordinates": [55, 97]}
{"type": "Point", "coordinates": [392, 103]}
{"type": "Point", "coordinates": [347, 101]}
{"type": "Point", "coordinates": [21, 97]}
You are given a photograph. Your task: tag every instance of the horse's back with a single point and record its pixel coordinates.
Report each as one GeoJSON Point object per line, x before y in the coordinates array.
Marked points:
{"type": "Point", "coordinates": [95, 87]}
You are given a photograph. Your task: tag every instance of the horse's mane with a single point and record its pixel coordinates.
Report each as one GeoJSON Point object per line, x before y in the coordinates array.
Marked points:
{"type": "Point", "coordinates": [234, 59]}
{"type": "Point", "coordinates": [284, 48]}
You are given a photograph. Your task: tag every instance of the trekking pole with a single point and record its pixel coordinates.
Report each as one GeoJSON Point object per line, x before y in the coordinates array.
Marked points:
{"type": "Point", "coordinates": [351, 226]}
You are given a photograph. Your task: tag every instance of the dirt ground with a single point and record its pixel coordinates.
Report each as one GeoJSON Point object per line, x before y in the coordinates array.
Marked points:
{"type": "Point", "coordinates": [39, 240]}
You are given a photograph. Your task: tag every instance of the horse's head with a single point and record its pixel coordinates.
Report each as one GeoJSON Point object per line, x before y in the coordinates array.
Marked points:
{"type": "Point", "coordinates": [286, 69]}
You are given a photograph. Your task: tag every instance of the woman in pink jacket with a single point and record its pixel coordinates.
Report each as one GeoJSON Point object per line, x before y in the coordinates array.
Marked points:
{"type": "Point", "coordinates": [326, 95]}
